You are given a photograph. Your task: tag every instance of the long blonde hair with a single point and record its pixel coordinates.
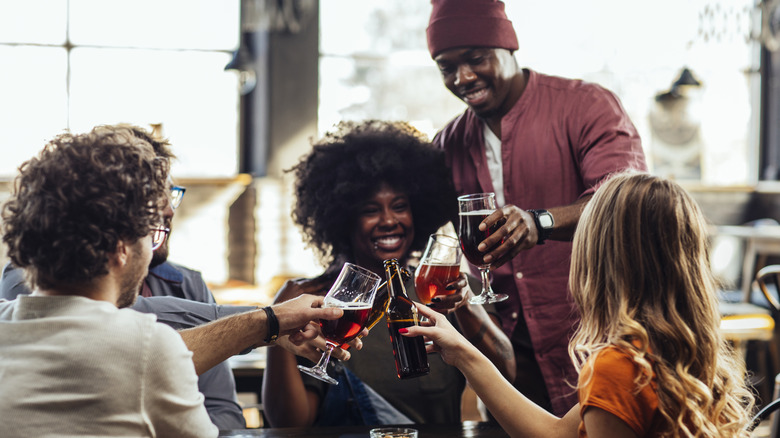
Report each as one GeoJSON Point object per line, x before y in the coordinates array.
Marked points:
{"type": "Point", "coordinates": [640, 275]}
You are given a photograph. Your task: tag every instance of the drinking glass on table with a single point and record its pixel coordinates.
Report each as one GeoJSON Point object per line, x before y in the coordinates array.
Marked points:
{"type": "Point", "coordinates": [393, 432]}
{"type": "Point", "coordinates": [353, 292]}
{"type": "Point", "coordinates": [472, 210]}
{"type": "Point", "coordinates": [439, 266]}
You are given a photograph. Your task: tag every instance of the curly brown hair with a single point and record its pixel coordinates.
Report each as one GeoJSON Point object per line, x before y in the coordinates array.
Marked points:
{"type": "Point", "coordinates": [73, 202]}
{"type": "Point", "coordinates": [161, 146]}
{"type": "Point", "coordinates": [349, 165]}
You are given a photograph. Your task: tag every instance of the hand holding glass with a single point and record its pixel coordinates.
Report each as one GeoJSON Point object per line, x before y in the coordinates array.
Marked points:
{"type": "Point", "coordinates": [353, 292]}
{"type": "Point", "coordinates": [439, 266]}
{"type": "Point", "coordinates": [473, 209]}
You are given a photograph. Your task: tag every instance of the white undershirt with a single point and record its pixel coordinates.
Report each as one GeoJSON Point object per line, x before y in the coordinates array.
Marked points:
{"type": "Point", "coordinates": [493, 152]}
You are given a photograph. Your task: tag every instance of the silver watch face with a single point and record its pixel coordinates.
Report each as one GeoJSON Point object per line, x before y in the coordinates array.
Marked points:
{"type": "Point", "coordinates": [546, 220]}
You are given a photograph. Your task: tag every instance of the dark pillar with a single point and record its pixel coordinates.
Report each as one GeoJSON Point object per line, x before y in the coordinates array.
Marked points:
{"type": "Point", "coordinates": [284, 54]}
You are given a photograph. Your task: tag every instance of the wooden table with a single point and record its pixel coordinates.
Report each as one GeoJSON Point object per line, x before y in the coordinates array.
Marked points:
{"type": "Point", "coordinates": [469, 429]}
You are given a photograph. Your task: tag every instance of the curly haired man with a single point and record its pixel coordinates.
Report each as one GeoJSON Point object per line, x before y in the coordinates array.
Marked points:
{"type": "Point", "coordinates": [82, 222]}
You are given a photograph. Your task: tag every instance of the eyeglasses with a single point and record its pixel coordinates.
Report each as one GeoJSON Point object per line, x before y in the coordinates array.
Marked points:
{"type": "Point", "coordinates": [158, 236]}
{"type": "Point", "coordinates": [177, 193]}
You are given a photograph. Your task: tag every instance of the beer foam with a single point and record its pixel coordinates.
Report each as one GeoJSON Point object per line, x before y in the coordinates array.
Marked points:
{"type": "Point", "coordinates": [332, 302]}
{"type": "Point", "coordinates": [477, 213]}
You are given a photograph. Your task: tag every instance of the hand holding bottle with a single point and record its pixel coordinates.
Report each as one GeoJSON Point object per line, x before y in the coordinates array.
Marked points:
{"type": "Point", "coordinates": [444, 338]}
{"type": "Point", "coordinates": [411, 359]}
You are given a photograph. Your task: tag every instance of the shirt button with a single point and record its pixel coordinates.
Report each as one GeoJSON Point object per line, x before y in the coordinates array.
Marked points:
{"type": "Point", "coordinates": [519, 275]}
{"type": "Point", "coordinates": [514, 315]}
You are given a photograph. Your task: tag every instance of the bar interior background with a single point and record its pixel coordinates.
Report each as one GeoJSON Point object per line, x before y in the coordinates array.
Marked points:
{"type": "Point", "coordinates": [242, 87]}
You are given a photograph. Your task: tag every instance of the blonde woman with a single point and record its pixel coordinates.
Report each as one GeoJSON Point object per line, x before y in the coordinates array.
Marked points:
{"type": "Point", "coordinates": [648, 350]}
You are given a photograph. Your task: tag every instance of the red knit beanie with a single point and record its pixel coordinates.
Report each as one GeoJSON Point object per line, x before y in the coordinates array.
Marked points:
{"type": "Point", "coordinates": [469, 23]}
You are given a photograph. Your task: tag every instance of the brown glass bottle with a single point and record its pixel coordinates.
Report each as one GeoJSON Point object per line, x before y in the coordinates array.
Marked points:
{"type": "Point", "coordinates": [411, 360]}
{"type": "Point", "coordinates": [382, 299]}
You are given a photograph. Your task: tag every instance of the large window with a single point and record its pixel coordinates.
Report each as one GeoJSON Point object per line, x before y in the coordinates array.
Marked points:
{"type": "Point", "coordinates": [79, 63]}
{"type": "Point", "coordinates": [375, 64]}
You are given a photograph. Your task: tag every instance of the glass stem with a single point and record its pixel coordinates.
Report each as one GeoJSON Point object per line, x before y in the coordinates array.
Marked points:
{"type": "Point", "coordinates": [323, 363]}
{"type": "Point", "coordinates": [484, 272]}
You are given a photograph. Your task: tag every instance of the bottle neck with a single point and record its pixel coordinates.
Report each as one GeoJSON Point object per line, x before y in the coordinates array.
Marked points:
{"type": "Point", "coordinates": [405, 276]}
{"type": "Point", "coordinates": [395, 285]}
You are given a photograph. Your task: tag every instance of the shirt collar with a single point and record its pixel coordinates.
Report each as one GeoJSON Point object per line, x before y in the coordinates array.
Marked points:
{"type": "Point", "coordinates": [167, 272]}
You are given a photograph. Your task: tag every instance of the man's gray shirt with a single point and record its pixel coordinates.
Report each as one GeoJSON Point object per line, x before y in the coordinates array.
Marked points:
{"type": "Point", "coordinates": [180, 299]}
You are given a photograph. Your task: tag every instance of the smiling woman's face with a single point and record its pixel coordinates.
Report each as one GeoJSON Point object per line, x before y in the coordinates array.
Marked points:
{"type": "Point", "coordinates": [384, 228]}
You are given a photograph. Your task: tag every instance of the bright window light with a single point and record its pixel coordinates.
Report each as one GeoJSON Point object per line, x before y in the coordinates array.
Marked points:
{"type": "Point", "coordinates": [88, 62]}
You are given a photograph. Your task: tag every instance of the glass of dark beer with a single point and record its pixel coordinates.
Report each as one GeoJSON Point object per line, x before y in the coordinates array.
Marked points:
{"type": "Point", "coordinates": [439, 266]}
{"type": "Point", "coordinates": [353, 292]}
{"type": "Point", "coordinates": [473, 209]}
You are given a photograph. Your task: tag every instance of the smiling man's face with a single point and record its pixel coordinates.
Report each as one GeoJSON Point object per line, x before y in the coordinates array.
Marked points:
{"type": "Point", "coordinates": [480, 77]}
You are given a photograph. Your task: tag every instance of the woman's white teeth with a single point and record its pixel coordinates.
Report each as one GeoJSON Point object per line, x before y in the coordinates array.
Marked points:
{"type": "Point", "coordinates": [388, 241]}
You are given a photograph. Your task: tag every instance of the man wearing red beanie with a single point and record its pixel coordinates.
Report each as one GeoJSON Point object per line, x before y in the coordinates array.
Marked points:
{"type": "Point", "coordinates": [542, 144]}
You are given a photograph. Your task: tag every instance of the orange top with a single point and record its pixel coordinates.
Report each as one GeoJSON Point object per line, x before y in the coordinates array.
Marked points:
{"type": "Point", "coordinates": [612, 388]}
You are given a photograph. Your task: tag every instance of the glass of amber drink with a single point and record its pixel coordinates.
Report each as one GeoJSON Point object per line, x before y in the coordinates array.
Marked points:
{"type": "Point", "coordinates": [439, 266]}
{"type": "Point", "coordinates": [353, 292]}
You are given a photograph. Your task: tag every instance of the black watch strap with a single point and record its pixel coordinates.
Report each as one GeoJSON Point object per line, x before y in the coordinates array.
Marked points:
{"type": "Point", "coordinates": [544, 224]}
{"type": "Point", "coordinates": [273, 325]}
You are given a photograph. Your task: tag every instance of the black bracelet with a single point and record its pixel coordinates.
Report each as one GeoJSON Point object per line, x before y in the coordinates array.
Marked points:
{"type": "Point", "coordinates": [273, 325]}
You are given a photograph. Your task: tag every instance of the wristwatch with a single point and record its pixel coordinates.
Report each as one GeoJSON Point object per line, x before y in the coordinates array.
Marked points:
{"type": "Point", "coordinates": [544, 224]}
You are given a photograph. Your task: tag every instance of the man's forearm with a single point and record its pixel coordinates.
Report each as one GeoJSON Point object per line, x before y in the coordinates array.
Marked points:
{"type": "Point", "coordinates": [566, 218]}
{"type": "Point", "coordinates": [216, 341]}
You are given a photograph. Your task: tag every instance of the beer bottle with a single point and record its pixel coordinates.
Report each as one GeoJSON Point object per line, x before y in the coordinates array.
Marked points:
{"type": "Point", "coordinates": [382, 299]}
{"type": "Point", "coordinates": [411, 360]}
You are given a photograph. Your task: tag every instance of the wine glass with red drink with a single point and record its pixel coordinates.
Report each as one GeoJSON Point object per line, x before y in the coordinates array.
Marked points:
{"type": "Point", "coordinates": [439, 266]}
{"type": "Point", "coordinates": [473, 209]}
{"type": "Point", "coordinates": [352, 292]}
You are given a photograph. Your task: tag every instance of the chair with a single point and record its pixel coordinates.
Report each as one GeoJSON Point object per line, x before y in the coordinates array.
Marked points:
{"type": "Point", "coordinates": [768, 280]}
{"type": "Point", "coordinates": [766, 412]}
{"type": "Point", "coordinates": [745, 322]}
{"type": "Point", "coordinates": [765, 307]}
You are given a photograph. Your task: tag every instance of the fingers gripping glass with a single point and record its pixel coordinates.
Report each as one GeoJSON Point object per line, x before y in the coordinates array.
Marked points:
{"type": "Point", "coordinates": [353, 292]}
{"type": "Point", "coordinates": [177, 193]}
{"type": "Point", "coordinates": [473, 209]}
{"type": "Point", "coordinates": [439, 266]}
{"type": "Point", "coordinates": [159, 235]}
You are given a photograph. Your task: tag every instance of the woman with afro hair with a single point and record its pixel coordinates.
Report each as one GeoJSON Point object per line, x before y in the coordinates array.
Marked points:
{"type": "Point", "coordinates": [367, 192]}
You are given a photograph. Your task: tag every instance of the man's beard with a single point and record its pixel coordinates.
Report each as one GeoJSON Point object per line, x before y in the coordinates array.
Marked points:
{"type": "Point", "coordinates": [128, 297]}
{"type": "Point", "coordinates": [160, 255]}
{"type": "Point", "coordinates": [132, 280]}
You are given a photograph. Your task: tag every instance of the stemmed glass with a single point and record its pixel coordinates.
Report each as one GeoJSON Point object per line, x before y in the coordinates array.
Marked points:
{"type": "Point", "coordinates": [473, 209]}
{"type": "Point", "coordinates": [439, 266]}
{"type": "Point", "coordinates": [353, 292]}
